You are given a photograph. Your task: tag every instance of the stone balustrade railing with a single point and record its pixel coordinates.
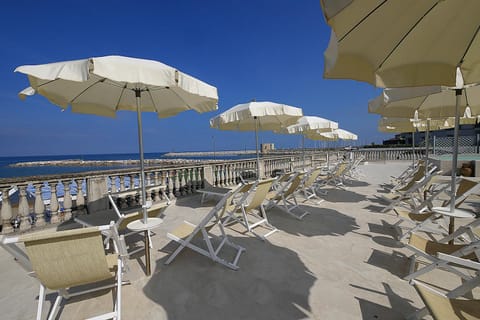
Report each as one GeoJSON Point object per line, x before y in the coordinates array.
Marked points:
{"type": "Point", "coordinates": [54, 199]}
{"type": "Point", "coordinates": [379, 154]}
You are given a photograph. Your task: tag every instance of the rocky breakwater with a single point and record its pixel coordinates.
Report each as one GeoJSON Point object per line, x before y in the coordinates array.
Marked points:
{"type": "Point", "coordinates": [105, 163]}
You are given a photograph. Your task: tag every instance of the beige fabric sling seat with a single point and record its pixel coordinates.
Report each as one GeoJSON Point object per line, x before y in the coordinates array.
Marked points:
{"type": "Point", "coordinates": [310, 185]}
{"type": "Point", "coordinates": [249, 210]}
{"type": "Point", "coordinates": [459, 259]}
{"type": "Point", "coordinates": [201, 239]}
{"type": "Point", "coordinates": [64, 260]}
{"type": "Point", "coordinates": [431, 222]}
{"type": "Point", "coordinates": [337, 176]}
{"type": "Point", "coordinates": [412, 194]}
{"type": "Point", "coordinates": [441, 307]}
{"type": "Point", "coordinates": [122, 217]}
{"type": "Point", "coordinates": [285, 199]}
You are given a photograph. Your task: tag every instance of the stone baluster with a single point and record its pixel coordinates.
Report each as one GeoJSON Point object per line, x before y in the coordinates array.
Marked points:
{"type": "Point", "coordinates": [193, 179]}
{"type": "Point", "coordinates": [163, 182]}
{"type": "Point", "coordinates": [67, 201]}
{"type": "Point", "coordinates": [132, 181]}
{"type": "Point", "coordinates": [170, 178]}
{"type": "Point", "coordinates": [53, 203]}
{"type": "Point", "coordinates": [156, 179]}
{"type": "Point", "coordinates": [222, 175]}
{"type": "Point", "coordinates": [113, 184]}
{"type": "Point", "coordinates": [216, 181]}
{"type": "Point", "coordinates": [39, 207]}
{"type": "Point", "coordinates": [122, 183]}
{"type": "Point", "coordinates": [228, 174]}
{"type": "Point", "coordinates": [6, 212]}
{"type": "Point", "coordinates": [202, 177]}
{"type": "Point", "coordinates": [23, 208]}
{"type": "Point", "coordinates": [180, 185]}
{"type": "Point", "coordinates": [188, 182]}
{"type": "Point", "coordinates": [80, 202]}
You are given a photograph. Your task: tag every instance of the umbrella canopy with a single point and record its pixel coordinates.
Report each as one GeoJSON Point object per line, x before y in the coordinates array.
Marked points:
{"type": "Point", "coordinates": [105, 85]}
{"type": "Point", "coordinates": [425, 102]}
{"type": "Point", "coordinates": [406, 44]}
{"type": "Point", "coordinates": [398, 125]}
{"type": "Point", "coordinates": [372, 42]}
{"type": "Point", "coordinates": [255, 116]}
{"type": "Point", "coordinates": [311, 123]}
{"type": "Point", "coordinates": [307, 124]}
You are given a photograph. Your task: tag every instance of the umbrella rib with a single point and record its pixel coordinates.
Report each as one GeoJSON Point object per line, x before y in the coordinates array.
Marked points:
{"type": "Point", "coordinates": [469, 45]}
{"type": "Point", "coordinates": [406, 35]}
{"type": "Point", "coordinates": [361, 21]}
{"type": "Point", "coordinates": [84, 90]}
{"type": "Point", "coordinates": [120, 96]}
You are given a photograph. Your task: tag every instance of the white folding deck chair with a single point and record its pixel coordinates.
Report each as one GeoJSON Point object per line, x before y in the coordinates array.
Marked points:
{"type": "Point", "coordinates": [411, 195]}
{"type": "Point", "coordinates": [207, 243]}
{"type": "Point", "coordinates": [427, 221]}
{"type": "Point", "coordinates": [249, 210]}
{"type": "Point", "coordinates": [309, 185]}
{"type": "Point", "coordinates": [285, 199]}
{"type": "Point", "coordinates": [68, 259]}
{"type": "Point", "coordinates": [442, 307]}
{"type": "Point", "coordinates": [122, 217]}
{"type": "Point", "coordinates": [447, 257]}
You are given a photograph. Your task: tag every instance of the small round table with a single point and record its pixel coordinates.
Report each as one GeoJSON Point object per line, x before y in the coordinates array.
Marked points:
{"type": "Point", "coordinates": [457, 213]}
{"type": "Point", "coordinates": [138, 225]}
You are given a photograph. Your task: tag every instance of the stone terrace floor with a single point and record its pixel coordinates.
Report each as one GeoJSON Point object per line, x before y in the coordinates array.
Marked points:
{"type": "Point", "coordinates": [339, 262]}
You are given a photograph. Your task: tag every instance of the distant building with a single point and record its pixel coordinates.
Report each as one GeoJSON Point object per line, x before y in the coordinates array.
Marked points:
{"type": "Point", "coordinates": [267, 147]}
{"type": "Point", "coordinates": [467, 130]}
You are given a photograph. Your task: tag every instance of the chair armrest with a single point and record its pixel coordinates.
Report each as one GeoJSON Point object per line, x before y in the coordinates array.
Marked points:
{"type": "Point", "coordinates": [459, 261]}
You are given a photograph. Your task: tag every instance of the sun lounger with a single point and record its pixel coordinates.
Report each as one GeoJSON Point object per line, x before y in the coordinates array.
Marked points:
{"type": "Point", "coordinates": [64, 260]}
{"type": "Point", "coordinates": [441, 307]}
{"type": "Point", "coordinates": [249, 210]}
{"type": "Point", "coordinates": [428, 221]}
{"type": "Point", "coordinates": [309, 186]}
{"type": "Point", "coordinates": [285, 199]}
{"type": "Point", "coordinates": [121, 217]}
{"type": "Point", "coordinates": [199, 238]}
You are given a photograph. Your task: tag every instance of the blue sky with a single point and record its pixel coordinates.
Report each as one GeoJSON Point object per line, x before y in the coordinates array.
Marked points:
{"type": "Point", "coordinates": [264, 50]}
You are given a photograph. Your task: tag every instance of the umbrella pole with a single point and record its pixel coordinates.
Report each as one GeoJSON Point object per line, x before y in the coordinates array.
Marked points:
{"type": "Point", "coordinates": [427, 145]}
{"type": "Point", "coordinates": [413, 147]}
{"type": "Point", "coordinates": [256, 147]}
{"type": "Point", "coordinates": [140, 146]}
{"type": "Point", "coordinates": [458, 94]}
{"type": "Point", "coordinates": [303, 149]}
{"type": "Point", "coordinates": [142, 183]}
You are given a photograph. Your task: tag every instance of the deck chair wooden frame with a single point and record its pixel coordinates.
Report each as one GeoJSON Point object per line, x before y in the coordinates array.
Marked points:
{"type": "Point", "coordinates": [285, 199]}
{"type": "Point", "coordinates": [251, 209]}
{"type": "Point", "coordinates": [122, 218]}
{"type": "Point", "coordinates": [184, 235]}
{"type": "Point", "coordinates": [63, 260]}
{"type": "Point", "coordinates": [447, 257]}
{"type": "Point", "coordinates": [442, 307]}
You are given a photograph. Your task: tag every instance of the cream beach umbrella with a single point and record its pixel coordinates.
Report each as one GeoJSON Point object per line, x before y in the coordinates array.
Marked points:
{"type": "Point", "coordinates": [334, 135]}
{"type": "Point", "coordinates": [429, 103]}
{"type": "Point", "coordinates": [105, 85]}
{"type": "Point", "coordinates": [257, 116]}
{"type": "Point", "coordinates": [307, 124]}
{"type": "Point", "coordinates": [406, 43]}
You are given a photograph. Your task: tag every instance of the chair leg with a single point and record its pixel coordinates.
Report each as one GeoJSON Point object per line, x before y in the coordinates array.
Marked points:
{"type": "Point", "coordinates": [41, 299]}
{"type": "Point", "coordinates": [55, 306]}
